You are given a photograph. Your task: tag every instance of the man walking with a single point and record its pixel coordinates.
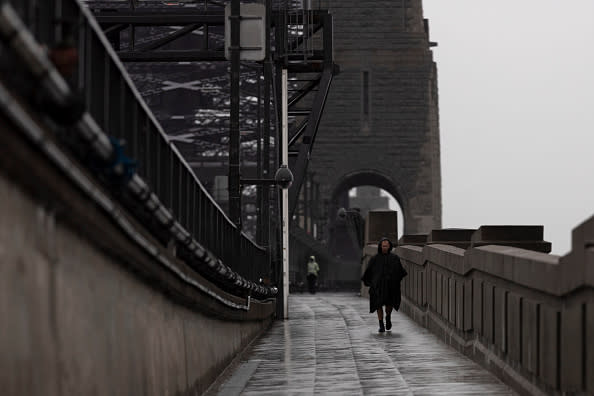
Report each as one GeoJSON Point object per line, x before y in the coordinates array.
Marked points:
{"type": "Point", "coordinates": [312, 274]}
{"type": "Point", "coordinates": [383, 276]}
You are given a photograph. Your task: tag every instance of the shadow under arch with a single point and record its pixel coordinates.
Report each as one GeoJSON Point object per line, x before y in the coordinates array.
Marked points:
{"type": "Point", "coordinates": [367, 177]}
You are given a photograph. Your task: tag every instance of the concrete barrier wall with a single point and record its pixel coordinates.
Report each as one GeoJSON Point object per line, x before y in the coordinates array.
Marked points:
{"type": "Point", "coordinates": [525, 315]}
{"type": "Point", "coordinates": [85, 311]}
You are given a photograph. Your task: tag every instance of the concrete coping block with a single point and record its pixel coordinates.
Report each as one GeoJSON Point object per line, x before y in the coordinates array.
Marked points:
{"type": "Point", "coordinates": [582, 236]}
{"type": "Point", "coordinates": [410, 253]}
{"type": "Point", "coordinates": [537, 246]}
{"type": "Point", "coordinates": [459, 245]}
{"type": "Point", "coordinates": [451, 235]}
{"type": "Point", "coordinates": [413, 239]}
{"type": "Point", "coordinates": [581, 256]}
{"type": "Point", "coordinates": [511, 251]}
{"type": "Point", "coordinates": [446, 248]}
{"type": "Point", "coordinates": [578, 269]}
{"type": "Point", "coordinates": [538, 271]}
{"type": "Point", "coordinates": [496, 233]}
{"type": "Point", "coordinates": [446, 256]}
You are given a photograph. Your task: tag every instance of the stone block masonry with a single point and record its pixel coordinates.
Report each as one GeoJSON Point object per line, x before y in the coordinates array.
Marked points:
{"type": "Point", "coordinates": [493, 295]}
{"type": "Point", "coordinates": [381, 118]}
{"type": "Point", "coordinates": [523, 314]}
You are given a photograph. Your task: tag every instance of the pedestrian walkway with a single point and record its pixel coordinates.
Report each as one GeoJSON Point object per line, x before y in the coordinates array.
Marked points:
{"type": "Point", "coordinates": [330, 345]}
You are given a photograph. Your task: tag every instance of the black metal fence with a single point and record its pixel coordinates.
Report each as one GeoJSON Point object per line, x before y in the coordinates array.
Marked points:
{"type": "Point", "coordinates": [119, 110]}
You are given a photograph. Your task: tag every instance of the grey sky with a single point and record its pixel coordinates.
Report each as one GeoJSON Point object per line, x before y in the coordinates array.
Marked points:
{"type": "Point", "coordinates": [516, 80]}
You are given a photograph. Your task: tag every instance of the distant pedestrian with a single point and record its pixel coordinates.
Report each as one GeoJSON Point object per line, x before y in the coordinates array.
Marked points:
{"type": "Point", "coordinates": [312, 274]}
{"type": "Point", "coordinates": [383, 276]}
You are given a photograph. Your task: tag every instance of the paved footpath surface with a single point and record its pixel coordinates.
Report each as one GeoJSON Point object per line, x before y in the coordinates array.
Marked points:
{"type": "Point", "coordinates": [330, 345]}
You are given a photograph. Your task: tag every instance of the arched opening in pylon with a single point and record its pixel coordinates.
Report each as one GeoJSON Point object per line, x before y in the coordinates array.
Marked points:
{"type": "Point", "coordinates": [374, 179]}
{"type": "Point", "coordinates": [346, 220]}
{"type": "Point", "coordinates": [368, 198]}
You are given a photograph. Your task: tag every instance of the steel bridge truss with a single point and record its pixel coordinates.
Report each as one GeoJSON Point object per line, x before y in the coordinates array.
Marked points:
{"type": "Point", "coordinates": [56, 62]}
{"type": "Point", "coordinates": [298, 40]}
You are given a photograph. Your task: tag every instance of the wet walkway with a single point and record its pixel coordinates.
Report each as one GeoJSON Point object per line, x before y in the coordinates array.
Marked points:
{"type": "Point", "coordinates": [330, 345]}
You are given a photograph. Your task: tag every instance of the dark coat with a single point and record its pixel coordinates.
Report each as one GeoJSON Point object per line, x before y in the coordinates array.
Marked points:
{"type": "Point", "coordinates": [383, 276]}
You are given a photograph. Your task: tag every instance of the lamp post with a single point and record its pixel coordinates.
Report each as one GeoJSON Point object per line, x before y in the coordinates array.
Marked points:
{"type": "Point", "coordinates": [283, 178]}
{"type": "Point", "coordinates": [285, 163]}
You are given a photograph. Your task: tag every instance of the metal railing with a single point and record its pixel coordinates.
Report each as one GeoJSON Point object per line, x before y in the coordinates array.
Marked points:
{"type": "Point", "coordinates": [118, 109]}
{"type": "Point", "coordinates": [303, 35]}
{"type": "Point", "coordinates": [300, 31]}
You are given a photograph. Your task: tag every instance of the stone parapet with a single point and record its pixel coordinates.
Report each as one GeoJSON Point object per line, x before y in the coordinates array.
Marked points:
{"type": "Point", "coordinates": [413, 239]}
{"type": "Point", "coordinates": [525, 315]}
{"type": "Point", "coordinates": [525, 237]}
{"type": "Point", "coordinates": [528, 237]}
{"type": "Point", "coordinates": [459, 237]}
{"type": "Point", "coordinates": [380, 125]}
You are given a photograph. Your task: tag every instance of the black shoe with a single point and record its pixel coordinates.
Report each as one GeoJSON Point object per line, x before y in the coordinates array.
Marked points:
{"type": "Point", "coordinates": [381, 329]}
{"type": "Point", "coordinates": [388, 322]}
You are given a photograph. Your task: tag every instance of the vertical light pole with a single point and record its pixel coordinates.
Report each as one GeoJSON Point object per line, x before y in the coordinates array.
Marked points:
{"type": "Point", "coordinates": [285, 192]}
{"type": "Point", "coordinates": [267, 133]}
{"type": "Point", "coordinates": [234, 139]}
{"type": "Point", "coordinates": [259, 209]}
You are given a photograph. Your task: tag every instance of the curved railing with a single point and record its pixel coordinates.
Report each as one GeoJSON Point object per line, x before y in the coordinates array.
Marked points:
{"type": "Point", "coordinates": [155, 172]}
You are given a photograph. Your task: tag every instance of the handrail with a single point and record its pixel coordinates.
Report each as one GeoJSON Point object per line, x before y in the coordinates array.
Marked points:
{"type": "Point", "coordinates": [114, 57]}
{"type": "Point", "coordinates": [110, 94]}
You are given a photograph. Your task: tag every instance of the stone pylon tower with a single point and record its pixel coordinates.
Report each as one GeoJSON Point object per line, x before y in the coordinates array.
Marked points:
{"type": "Point", "coordinates": [380, 126]}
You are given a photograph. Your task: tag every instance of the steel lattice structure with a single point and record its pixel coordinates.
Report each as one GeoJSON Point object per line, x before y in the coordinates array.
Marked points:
{"type": "Point", "coordinates": [174, 54]}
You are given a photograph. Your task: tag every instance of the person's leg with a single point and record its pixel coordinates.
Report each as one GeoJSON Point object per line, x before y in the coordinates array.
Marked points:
{"type": "Point", "coordinates": [380, 313]}
{"type": "Point", "coordinates": [388, 317]}
{"type": "Point", "coordinates": [380, 316]}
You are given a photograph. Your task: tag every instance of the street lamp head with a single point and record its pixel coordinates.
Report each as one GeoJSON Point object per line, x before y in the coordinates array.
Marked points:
{"type": "Point", "coordinates": [342, 213]}
{"type": "Point", "coordinates": [284, 177]}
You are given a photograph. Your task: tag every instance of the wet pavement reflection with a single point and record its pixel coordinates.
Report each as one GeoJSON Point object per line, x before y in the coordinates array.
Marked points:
{"type": "Point", "coordinates": [330, 345]}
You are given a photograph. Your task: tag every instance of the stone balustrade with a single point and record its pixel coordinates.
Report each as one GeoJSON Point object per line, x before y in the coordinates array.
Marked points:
{"type": "Point", "coordinates": [496, 296]}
